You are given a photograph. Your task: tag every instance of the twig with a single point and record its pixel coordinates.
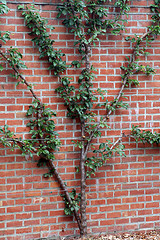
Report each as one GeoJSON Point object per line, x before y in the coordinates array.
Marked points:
{"type": "Point", "coordinates": [22, 79]}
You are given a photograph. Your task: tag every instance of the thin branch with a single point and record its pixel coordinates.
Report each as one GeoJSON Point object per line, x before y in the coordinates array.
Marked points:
{"type": "Point", "coordinates": [22, 79]}
{"type": "Point", "coordinates": [127, 76]}
{"type": "Point", "coordinates": [14, 140]}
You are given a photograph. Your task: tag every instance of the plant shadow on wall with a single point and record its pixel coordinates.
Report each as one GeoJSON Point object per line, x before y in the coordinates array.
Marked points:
{"type": "Point", "coordinates": [87, 21]}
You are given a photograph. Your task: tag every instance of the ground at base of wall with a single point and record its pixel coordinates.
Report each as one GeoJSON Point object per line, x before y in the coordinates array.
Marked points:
{"type": "Point", "coordinates": [152, 235]}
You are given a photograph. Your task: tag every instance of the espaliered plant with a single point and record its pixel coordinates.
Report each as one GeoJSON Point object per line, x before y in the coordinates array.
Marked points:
{"type": "Point", "coordinates": [87, 20]}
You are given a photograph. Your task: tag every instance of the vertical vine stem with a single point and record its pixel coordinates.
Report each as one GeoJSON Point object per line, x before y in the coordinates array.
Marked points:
{"type": "Point", "coordinates": [83, 184]}
{"type": "Point", "coordinates": [83, 156]}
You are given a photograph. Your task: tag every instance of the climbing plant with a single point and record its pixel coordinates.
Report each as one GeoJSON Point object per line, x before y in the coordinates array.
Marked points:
{"type": "Point", "coordinates": [88, 21]}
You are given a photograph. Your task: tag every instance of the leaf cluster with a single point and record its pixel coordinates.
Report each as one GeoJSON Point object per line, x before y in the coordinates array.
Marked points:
{"type": "Point", "coordinates": [50, 173]}
{"type": "Point", "coordinates": [15, 58]}
{"type": "Point", "coordinates": [4, 36]}
{"type": "Point", "coordinates": [133, 65]}
{"type": "Point", "coordinates": [75, 13]}
{"type": "Point", "coordinates": [69, 208]}
{"type": "Point", "coordinates": [78, 103]}
{"type": "Point", "coordinates": [145, 136]}
{"type": "Point", "coordinates": [155, 10]}
{"type": "Point", "coordinates": [43, 127]}
{"type": "Point", "coordinates": [105, 152]}
{"type": "Point", "coordinates": [116, 104]}
{"type": "Point", "coordinates": [92, 128]}
{"type": "Point", "coordinates": [6, 134]}
{"type": "Point", "coordinates": [38, 26]}
{"type": "Point", "coordinates": [3, 7]}
{"type": "Point", "coordinates": [89, 19]}
{"type": "Point", "coordinates": [8, 139]}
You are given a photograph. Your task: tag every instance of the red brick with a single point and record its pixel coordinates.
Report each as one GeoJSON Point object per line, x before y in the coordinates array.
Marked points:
{"type": "Point", "coordinates": [137, 205]}
{"type": "Point", "coordinates": [98, 216]}
{"type": "Point", "coordinates": [23, 230]}
{"type": "Point", "coordinates": [6, 232]}
{"type": "Point", "coordinates": [137, 192]}
{"type": "Point", "coordinates": [129, 227]}
{"type": "Point", "coordinates": [7, 217]}
{"type": "Point", "coordinates": [31, 222]}
{"type": "Point", "coordinates": [114, 215]}
{"type": "Point", "coordinates": [122, 207]}
{"type": "Point", "coordinates": [98, 202]}
{"type": "Point", "coordinates": [113, 201]}
{"type": "Point", "coordinates": [152, 218]}
{"type": "Point", "coordinates": [129, 200]}
{"type": "Point", "coordinates": [23, 215]}
{"type": "Point", "coordinates": [144, 198]}
{"type": "Point", "coordinates": [40, 214]}
{"type": "Point", "coordinates": [120, 193]}
{"type": "Point", "coordinates": [122, 221]}
{"type": "Point", "coordinates": [105, 195]}
{"type": "Point", "coordinates": [152, 205]}
{"type": "Point", "coordinates": [129, 213]}
{"type": "Point", "coordinates": [31, 208]}
{"type": "Point", "coordinates": [146, 225]}
{"type": "Point", "coordinates": [138, 219]}
{"type": "Point", "coordinates": [16, 224]}
{"type": "Point", "coordinates": [14, 209]}
{"type": "Point", "coordinates": [107, 222]}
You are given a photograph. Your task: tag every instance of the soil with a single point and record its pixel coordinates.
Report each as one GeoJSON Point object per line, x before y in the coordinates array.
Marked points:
{"type": "Point", "coordinates": [152, 235]}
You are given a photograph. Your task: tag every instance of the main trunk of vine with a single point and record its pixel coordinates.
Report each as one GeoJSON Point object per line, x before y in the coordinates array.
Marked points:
{"type": "Point", "coordinates": [83, 232]}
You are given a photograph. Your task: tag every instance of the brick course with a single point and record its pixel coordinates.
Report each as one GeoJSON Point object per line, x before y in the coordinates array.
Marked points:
{"type": "Point", "coordinates": [124, 195]}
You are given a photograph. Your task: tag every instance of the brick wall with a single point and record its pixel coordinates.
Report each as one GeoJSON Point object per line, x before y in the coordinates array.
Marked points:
{"type": "Point", "coordinates": [124, 195]}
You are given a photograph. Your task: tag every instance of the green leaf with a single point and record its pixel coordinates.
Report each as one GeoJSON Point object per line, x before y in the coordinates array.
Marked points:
{"type": "Point", "coordinates": [1, 67]}
{"type": "Point", "coordinates": [102, 145]}
{"type": "Point", "coordinates": [20, 7]}
{"type": "Point", "coordinates": [67, 211]}
{"type": "Point", "coordinates": [30, 111]}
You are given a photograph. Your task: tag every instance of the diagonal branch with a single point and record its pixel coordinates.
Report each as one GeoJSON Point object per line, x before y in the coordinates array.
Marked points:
{"type": "Point", "coordinates": [50, 163]}
{"type": "Point", "coordinates": [52, 167]}
{"type": "Point", "coordinates": [22, 79]}
{"type": "Point", "coordinates": [116, 100]}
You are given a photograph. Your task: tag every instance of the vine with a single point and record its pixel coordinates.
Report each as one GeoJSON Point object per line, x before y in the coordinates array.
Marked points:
{"type": "Point", "coordinates": [88, 21]}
